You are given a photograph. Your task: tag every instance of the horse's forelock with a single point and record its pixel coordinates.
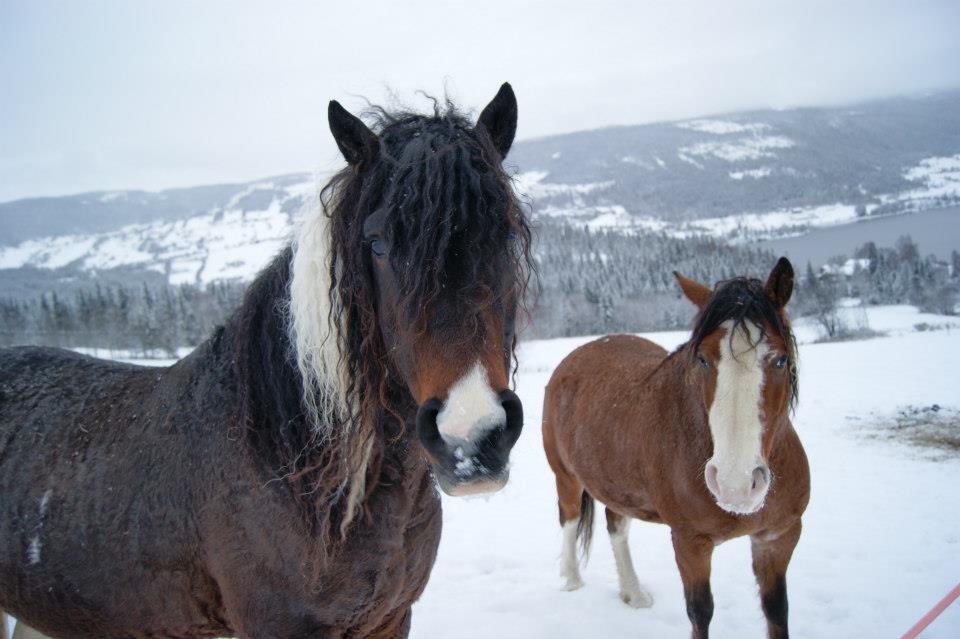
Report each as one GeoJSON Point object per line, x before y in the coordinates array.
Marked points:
{"type": "Point", "coordinates": [742, 300]}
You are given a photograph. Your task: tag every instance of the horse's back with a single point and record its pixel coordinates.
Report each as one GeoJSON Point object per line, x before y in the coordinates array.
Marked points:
{"type": "Point", "coordinates": [593, 377]}
{"type": "Point", "coordinates": [38, 386]}
{"type": "Point", "coordinates": [604, 362]}
{"type": "Point", "coordinates": [76, 466]}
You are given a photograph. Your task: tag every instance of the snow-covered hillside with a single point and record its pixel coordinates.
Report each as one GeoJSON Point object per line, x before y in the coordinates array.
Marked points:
{"type": "Point", "coordinates": [229, 242]}
{"type": "Point", "coordinates": [935, 181]}
{"type": "Point", "coordinates": [236, 240]}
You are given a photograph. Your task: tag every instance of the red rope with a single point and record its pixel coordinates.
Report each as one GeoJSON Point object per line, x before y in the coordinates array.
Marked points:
{"type": "Point", "coordinates": [928, 618]}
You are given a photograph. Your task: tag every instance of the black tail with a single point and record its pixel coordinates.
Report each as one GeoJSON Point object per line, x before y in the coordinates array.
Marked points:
{"type": "Point", "coordinates": [585, 525]}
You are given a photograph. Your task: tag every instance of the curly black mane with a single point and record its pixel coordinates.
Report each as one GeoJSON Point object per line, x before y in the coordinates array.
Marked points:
{"type": "Point", "coordinates": [742, 300]}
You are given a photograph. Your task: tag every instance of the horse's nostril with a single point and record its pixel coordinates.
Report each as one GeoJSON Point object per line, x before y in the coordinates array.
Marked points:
{"type": "Point", "coordinates": [761, 477]}
{"type": "Point", "coordinates": [427, 429]}
{"type": "Point", "coordinates": [710, 475]}
{"type": "Point", "coordinates": [513, 408]}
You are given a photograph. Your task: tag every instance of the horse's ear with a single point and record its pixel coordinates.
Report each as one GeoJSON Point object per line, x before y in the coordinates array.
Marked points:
{"type": "Point", "coordinates": [356, 141]}
{"type": "Point", "coordinates": [499, 118]}
{"type": "Point", "coordinates": [779, 285]}
{"type": "Point", "coordinates": [693, 290]}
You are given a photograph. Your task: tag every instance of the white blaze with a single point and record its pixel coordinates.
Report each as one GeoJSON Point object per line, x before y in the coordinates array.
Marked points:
{"type": "Point", "coordinates": [471, 409]}
{"type": "Point", "coordinates": [735, 416]}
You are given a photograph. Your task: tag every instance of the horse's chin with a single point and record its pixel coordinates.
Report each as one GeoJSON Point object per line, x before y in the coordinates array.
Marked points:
{"type": "Point", "coordinates": [741, 509]}
{"type": "Point", "coordinates": [482, 486]}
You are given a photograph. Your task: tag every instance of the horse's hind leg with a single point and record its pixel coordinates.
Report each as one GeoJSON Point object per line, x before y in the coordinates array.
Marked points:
{"type": "Point", "coordinates": [770, 560]}
{"type": "Point", "coordinates": [576, 506]}
{"type": "Point", "coordinates": [631, 591]}
{"type": "Point", "coordinates": [576, 519]}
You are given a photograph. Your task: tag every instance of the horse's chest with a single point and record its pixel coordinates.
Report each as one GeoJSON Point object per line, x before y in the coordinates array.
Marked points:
{"type": "Point", "coordinates": [386, 561]}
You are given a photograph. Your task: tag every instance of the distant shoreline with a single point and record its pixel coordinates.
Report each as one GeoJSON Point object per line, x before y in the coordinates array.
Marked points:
{"type": "Point", "coordinates": [936, 231]}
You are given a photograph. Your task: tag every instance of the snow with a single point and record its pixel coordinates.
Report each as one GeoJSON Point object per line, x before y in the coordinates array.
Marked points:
{"type": "Point", "coordinates": [602, 216]}
{"type": "Point", "coordinates": [747, 148]}
{"type": "Point", "coordinates": [755, 226]}
{"type": "Point", "coordinates": [531, 184]}
{"type": "Point", "coordinates": [221, 244]}
{"type": "Point", "coordinates": [938, 180]}
{"type": "Point", "coordinates": [880, 544]}
{"type": "Point", "coordinates": [689, 160]}
{"type": "Point", "coordinates": [940, 177]}
{"type": "Point", "coordinates": [756, 174]}
{"type": "Point", "coordinates": [849, 267]}
{"type": "Point", "coordinates": [722, 127]}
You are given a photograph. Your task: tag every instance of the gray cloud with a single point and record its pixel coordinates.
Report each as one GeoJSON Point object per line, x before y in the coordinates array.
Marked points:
{"type": "Point", "coordinates": [116, 94]}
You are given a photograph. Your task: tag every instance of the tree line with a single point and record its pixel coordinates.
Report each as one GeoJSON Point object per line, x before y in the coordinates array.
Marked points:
{"type": "Point", "coordinates": [879, 275]}
{"type": "Point", "coordinates": [147, 320]}
{"type": "Point", "coordinates": [590, 282]}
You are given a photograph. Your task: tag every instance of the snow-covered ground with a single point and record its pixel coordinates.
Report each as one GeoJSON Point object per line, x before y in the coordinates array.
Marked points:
{"type": "Point", "coordinates": [881, 540]}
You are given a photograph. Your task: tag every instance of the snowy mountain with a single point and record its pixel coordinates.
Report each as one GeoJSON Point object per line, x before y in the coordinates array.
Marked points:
{"type": "Point", "coordinates": [741, 176]}
{"type": "Point", "coordinates": [752, 175]}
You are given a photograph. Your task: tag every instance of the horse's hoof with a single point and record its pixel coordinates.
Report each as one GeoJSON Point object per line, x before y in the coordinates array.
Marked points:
{"type": "Point", "coordinates": [573, 584]}
{"type": "Point", "coordinates": [638, 599]}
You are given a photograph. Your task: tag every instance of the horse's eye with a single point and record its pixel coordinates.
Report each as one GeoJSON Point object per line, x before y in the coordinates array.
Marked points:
{"type": "Point", "coordinates": [781, 362]}
{"type": "Point", "coordinates": [378, 247]}
{"type": "Point", "coordinates": [703, 361]}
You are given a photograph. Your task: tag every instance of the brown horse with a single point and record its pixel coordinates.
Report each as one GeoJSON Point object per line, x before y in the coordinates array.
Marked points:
{"type": "Point", "coordinates": [699, 439]}
{"type": "Point", "coordinates": [279, 481]}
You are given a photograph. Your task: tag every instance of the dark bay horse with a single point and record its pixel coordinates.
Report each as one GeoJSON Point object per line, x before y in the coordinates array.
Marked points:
{"type": "Point", "coordinates": [279, 482]}
{"type": "Point", "coordinates": [699, 439]}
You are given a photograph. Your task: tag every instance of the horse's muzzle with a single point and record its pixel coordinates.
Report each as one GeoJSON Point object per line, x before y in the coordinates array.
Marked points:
{"type": "Point", "coordinates": [479, 463]}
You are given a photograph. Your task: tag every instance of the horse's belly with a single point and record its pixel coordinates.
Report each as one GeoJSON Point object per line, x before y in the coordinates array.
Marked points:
{"type": "Point", "coordinates": [625, 498]}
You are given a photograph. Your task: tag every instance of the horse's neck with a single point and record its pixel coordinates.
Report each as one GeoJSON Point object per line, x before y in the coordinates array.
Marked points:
{"type": "Point", "coordinates": [682, 399]}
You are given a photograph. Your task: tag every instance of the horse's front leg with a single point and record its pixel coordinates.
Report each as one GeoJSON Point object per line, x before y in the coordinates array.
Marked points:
{"type": "Point", "coordinates": [693, 554]}
{"type": "Point", "coordinates": [770, 559]}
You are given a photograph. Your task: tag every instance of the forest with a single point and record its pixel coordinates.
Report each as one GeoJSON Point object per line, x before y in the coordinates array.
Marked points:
{"type": "Point", "coordinates": [589, 282]}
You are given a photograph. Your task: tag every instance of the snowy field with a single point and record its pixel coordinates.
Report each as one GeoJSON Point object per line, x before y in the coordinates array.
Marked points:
{"type": "Point", "coordinates": [881, 540]}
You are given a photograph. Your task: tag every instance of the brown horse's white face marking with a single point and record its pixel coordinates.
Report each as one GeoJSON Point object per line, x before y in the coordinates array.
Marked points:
{"type": "Point", "coordinates": [737, 474]}
{"type": "Point", "coordinates": [746, 383]}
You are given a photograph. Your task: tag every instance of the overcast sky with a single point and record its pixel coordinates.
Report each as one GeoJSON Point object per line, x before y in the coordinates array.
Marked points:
{"type": "Point", "coordinates": [153, 94]}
